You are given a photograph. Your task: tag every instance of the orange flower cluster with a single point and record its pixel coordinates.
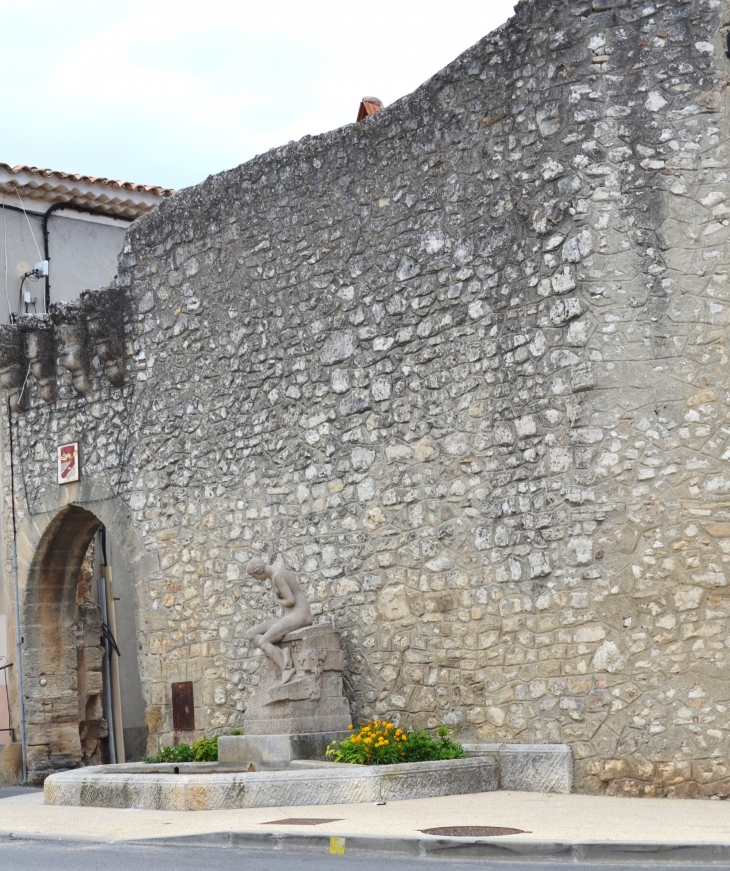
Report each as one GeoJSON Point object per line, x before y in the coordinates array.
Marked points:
{"type": "Point", "coordinates": [377, 742]}
{"type": "Point", "coordinates": [378, 733]}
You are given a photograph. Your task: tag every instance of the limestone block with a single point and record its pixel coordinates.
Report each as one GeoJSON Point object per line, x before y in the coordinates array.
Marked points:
{"type": "Point", "coordinates": [13, 367]}
{"type": "Point", "coordinates": [11, 764]}
{"type": "Point", "coordinates": [530, 767]}
{"type": "Point", "coordinates": [208, 787]}
{"type": "Point", "coordinates": [72, 335]}
{"type": "Point", "coordinates": [411, 780]}
{"type": "Point", "coordinates": [240, 749]}
{"type": "Point", "coordinates": [41, 350]}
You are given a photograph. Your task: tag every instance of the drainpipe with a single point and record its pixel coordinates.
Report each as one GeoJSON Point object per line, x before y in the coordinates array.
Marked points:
{"type": "Point", "coordinates": [106, 671]}
{"type": "Point", "coordinates": [16, 590]}
{"type": "Point", "coordinates": [115, 683]}
{"type": "Point", "coordinates": [19, 647]}
{"type": "Point", "coordinates": [47, 242]}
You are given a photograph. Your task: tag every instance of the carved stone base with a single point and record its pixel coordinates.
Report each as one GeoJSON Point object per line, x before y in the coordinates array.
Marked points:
{"type": "Point", "coordinates": [242, 749]}
{"type": "Point", "coordinates": [312, 701]}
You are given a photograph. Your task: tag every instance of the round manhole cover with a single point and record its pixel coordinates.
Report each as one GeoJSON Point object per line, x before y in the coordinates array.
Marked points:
{"type": "Point", "coordinates": [472, 831]}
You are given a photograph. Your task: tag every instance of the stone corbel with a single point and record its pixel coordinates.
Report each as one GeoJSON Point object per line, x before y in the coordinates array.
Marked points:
{"type": "Point", "coordinates": [74, 343]}
{"type": "Point", "coordinates": [104, 310]}
{"type": "Point", "coordinates": [14, 366]}
{"type": "Point", "coordinates": [41, 348]}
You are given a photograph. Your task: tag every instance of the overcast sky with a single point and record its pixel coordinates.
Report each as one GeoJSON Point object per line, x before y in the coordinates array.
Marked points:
{"type": "Point", "coordinates": [165, 92]}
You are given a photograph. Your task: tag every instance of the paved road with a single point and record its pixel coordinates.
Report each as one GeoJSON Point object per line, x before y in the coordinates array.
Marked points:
{"type": "Point", "coordinates": [10, 791]}
{"type": "Point", "coordinates": [18, 855]}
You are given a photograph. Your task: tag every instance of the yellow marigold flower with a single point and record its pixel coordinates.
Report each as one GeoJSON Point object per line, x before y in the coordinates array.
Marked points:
{"type": "Point", "coordinates": [389, 725]}
{"type": "Point", "coordinates": [350, 726]}
{"type": "Point", "coordinates": [385, 741]}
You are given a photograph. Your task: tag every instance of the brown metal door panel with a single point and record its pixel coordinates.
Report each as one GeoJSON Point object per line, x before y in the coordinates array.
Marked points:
{"type": "Point", "coordinates": [183, 707]}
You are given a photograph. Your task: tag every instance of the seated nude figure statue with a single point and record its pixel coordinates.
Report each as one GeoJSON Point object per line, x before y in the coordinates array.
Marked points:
{"type": "Point", "coordinates": [296, 615]}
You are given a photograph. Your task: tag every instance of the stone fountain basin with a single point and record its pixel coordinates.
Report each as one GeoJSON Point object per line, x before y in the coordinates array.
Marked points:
{"type": "Point", "coordinates": [201, 786]}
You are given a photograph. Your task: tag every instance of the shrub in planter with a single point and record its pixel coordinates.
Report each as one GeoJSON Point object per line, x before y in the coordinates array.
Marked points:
{"type": "Point", "coordinates": [203, 750]}
{"type": "Point", "coordinates": [206, 749]}
{"type": "Point", "coordinates": [180, 753]}
{"type": "Point", "coordinates": [379, 742]}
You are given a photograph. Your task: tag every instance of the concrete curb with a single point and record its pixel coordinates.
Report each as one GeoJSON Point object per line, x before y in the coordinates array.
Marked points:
{"type": "Point", "coordinates": [48, 836]}
{"type": "Point", "coordinates": [458, 848]}
{"type": "Point", "coordinates": [495, 849]}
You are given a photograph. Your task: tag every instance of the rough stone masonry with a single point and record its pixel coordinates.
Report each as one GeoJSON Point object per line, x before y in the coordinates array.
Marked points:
{"type": "Point", "coordinates": [464, 367]}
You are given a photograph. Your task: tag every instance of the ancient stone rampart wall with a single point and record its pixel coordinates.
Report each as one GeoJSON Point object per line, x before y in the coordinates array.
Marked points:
{"type": "Point", "coordinates": [461, 365]}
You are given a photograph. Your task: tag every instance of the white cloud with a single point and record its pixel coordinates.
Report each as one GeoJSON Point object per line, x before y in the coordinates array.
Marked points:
{"type": "Point", "coordinates": [163, 92]}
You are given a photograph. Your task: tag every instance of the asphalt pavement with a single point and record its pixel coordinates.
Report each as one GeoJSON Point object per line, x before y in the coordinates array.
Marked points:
{"type": "Point", "coordinates": [11, 791]}
{"type": "Point", "coordinates": [63, 856]}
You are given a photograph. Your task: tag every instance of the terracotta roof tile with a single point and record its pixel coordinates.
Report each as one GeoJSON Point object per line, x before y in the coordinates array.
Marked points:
{"type": "Point", "coordinates": [91, 179]}
{"type": "Point", "coordinates": [117, 198]}
{"type": "Point", "coordinates": [368, 106]}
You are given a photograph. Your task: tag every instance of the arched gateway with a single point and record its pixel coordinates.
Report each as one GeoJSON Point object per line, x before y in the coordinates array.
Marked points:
{"type": "Point", "coordinates": [66, 722]}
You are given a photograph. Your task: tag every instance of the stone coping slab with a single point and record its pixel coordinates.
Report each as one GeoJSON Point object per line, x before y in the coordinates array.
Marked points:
{"type": "Point", "coordinates": [136, 786]}
{"type": "Point", "coordinates": [530, 767]}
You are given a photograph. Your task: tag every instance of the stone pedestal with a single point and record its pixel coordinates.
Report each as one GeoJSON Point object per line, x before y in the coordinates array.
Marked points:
{"type": "Point", "coordinates": [275, 749]}
{"type": "Point", "coordinates": [298, 719]}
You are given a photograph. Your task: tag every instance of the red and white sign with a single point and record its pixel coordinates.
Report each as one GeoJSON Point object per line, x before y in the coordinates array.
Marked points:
{"type": "Point", "coordinates": [68, 463]}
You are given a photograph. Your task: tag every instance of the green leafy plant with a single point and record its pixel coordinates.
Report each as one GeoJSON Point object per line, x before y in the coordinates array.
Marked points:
{"type": "Point", "coordinates": [206, 749]}
{"type": "Point", "coordinates": [180, 753]}
{"type": "Point", "coordinates": [203, 750]}
{"type": "Point", "coordinates": [379, 742]}
{"type": "Point", "coordinates": [236, 732]}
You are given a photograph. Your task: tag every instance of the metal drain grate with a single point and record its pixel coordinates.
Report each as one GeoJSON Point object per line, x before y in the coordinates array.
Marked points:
{"type": "Point", "coordinates": [472, 831]}
{"type": "Point", "coordinates": [302, 821]}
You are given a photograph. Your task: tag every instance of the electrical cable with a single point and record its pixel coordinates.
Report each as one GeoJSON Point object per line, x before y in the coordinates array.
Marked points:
{"type": "Point", "coordinates": [22, 391]}
{"type": "Point", "coordinates": [40, 256]}
{"type": "Point", "coordinates": [7, 695]}
{"type": "Point", "coordinates": [30, 212]}
{"type": "Point", "coordinates": [46, 235]}
{"type": "Point", "coordinates": [106, 635]}
{"type": "Point", "coordinates": [19, 639]}
{"type": "Point", "coordinates": [5, 238]}
{"type": "Point", "coordinates": [104, 563]}
{"type": "Point", "coordinates": [32, 277]}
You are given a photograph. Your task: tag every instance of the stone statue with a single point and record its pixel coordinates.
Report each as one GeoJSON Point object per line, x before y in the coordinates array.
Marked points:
{"type": "Point", "coordinates": [298, 707]}
{"type": "Point", "coordinates": [296, 615]}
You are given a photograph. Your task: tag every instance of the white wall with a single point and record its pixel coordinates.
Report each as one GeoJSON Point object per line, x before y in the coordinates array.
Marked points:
{"type": "Point", "coordinates": [18, 254]}
{"type": "Point", "coordinates": [83, 251]}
